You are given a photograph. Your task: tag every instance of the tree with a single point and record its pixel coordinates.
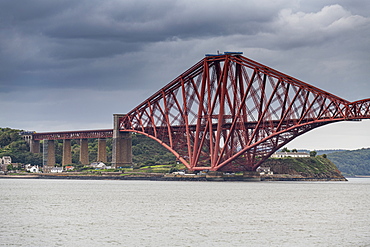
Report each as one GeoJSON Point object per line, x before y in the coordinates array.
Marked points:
{"type": "Point", "coordinates": [313, 153]}
{"type": "Point", "coordinates": [285, 150]}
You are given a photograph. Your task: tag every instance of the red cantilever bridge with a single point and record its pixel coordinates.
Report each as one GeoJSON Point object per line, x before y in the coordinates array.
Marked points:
{"type": "Point", "coordinates": [230, 113]}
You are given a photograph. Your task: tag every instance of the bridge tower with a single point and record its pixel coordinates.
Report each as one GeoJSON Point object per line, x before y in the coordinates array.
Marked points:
{"type": "Point", "coordinates": [122, 141]}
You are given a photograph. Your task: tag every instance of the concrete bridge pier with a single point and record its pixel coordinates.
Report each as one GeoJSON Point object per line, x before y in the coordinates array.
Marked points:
{"type": "Point", "coordinates": [35, 146]}
{"type": "Point", "coordinates": [102, 150]}
{"type": "Point", "coordinates": [67, 152]}
{"type": "Point", "coordinates": [122, 145]}
{"type": "Point", "coordinates": [51, 153]}
{"type": "Point", "coordinates": [84, 152]}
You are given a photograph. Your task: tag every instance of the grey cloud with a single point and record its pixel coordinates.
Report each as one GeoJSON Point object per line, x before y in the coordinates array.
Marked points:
{"type": "Point", "coordinates": [144, 24]}
{"type": "Point", "coordinates": [127, 43]}
{"type": "Point", "coordinates": [75, 63]}
{"type": "Point", "coordinates": [331, 23]}
{"type": "Point", "coordinates": [59, 44]}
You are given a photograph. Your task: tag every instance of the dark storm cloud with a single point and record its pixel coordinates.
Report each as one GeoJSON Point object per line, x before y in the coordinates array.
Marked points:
{"type": "Point", "coordinates": [153, 21]}
{"type": "Point", "coordinates": [70, 43]}
{"type": "Point", "coordinates": [77, 62]}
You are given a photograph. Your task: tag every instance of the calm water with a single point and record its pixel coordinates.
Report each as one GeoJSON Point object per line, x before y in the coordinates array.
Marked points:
{"type": "Point", "coordinates": [145, 213]}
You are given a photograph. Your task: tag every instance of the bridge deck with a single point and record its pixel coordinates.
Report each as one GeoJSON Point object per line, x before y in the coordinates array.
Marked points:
{"type": "Point", "coordinates": [80, 134]}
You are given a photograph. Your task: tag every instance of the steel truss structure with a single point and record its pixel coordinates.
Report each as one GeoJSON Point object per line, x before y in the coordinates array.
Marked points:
{"type": "Point", "coordinates": [230, 113]}
{"type": "Point", "coordinates": [79, 134]}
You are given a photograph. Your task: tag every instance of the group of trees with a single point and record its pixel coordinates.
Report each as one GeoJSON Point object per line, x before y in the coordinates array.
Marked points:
{"type": "Point", "coordinates": [147, 152]}
{"type": "Point", "coordinates": [311, 167]}
{"type": "Point", "coordinates": [13, 145]}
{"type": "Point", "coordinates": [349, 162]}
{"type": "Point", "coordinates": [352, 162]}
{"type": "Point", "coordinates": [312, 153]}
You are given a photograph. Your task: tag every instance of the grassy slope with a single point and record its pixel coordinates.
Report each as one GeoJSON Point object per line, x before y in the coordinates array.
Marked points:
{"type": "Point", "coordinates": [318, 167]}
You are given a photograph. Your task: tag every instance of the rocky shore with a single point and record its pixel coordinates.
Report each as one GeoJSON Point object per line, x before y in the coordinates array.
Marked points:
{"type": "Point", "coordinates": [254, 177]}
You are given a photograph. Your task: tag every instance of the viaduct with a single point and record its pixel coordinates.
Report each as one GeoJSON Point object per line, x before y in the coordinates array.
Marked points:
{"type": "Point", "coordinates": [225, 113]}
{"type": "Point", "coordinates": [121, 153]}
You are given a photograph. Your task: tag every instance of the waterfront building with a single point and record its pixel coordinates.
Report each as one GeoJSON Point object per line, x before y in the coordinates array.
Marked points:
{"type": "Point", "coordinates": [6, 160]}
{"type": "Point", "coordinates": [290, 154]}
{"type": "Point", "coordinates": [32, 168]}
{"type": "Point", "coordinates": [264, 170]}
{"type": "Point", "coordinates": [56, 170]}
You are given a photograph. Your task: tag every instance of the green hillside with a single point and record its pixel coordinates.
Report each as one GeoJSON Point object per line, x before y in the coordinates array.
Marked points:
{"type": "Point", "coordinates": [310, 167]}
{"type": "Point", "coordinates": [355, 162]}
{"type": "Point", "coordinates": [13, 145]}
{"type": "Point", "coordinates": [148, 152]}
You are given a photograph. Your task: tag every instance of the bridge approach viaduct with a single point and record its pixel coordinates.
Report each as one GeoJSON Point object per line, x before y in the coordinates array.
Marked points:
{"type": "Point", "coordinates": [121, 153]}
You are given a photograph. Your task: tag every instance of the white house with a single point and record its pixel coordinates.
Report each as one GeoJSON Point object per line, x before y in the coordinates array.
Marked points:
{"type": "Point", "coordinates": [56, 170]}
{"type": "Point", "coordinates": [264, 170]}
{"type": "Point", "coordinates": [69, 168]}
{"type": "Point", "coordinates": [6, 160]}
{"type": "Point", "coordinates": [33, 169]}
{"type": "Point", "coordinates": [290, 154]}
{"type": "Point", "coordinates": [100, 165]}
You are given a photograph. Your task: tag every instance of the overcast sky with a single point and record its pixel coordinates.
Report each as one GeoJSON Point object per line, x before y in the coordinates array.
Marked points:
{"type": "Point", "coordinates": [69, 65]}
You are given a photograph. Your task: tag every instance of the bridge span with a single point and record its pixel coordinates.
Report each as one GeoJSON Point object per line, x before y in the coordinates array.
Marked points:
{"type": "Point", "coordinates": [225, 113]}
{"type": "Point", "coordinates": [48, 138]}
{"type": "Point", "coordinates": [121, 157]}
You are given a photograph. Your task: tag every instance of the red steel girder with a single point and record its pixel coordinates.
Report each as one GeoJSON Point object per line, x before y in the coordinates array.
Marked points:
{"type": "Point", "coordinates": [230, 113]}
{"type": "Point", "coordinates": [80, 134]}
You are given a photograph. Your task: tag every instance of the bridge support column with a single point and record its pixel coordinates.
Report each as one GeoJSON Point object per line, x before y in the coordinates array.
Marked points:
{"type": "Point", "coordinates": [102, 150]}
{"type": "Point", "coordinates": [67, 156]}
{"type": "Point", "coordinates": [84, 152]}
{"type": "Point", "coordinates": [35, 146]}
{"type": "Point", "coordinates": [122, 145]}
{"type": "Point", "coordinates": [51, 153]}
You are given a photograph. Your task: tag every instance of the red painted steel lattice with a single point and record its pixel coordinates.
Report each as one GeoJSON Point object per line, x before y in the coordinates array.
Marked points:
{"type": "Point", "coordinates": [79, 134]}
{"type": "Point", "coordinates": [229, 113]}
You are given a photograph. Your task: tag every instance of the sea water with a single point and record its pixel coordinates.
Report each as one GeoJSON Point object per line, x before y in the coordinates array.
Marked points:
{"type": "Point", "coordinates": [36, 212]}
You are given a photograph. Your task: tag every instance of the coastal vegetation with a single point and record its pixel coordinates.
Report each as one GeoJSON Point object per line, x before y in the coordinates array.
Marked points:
{"type": "Point", "coordinates": [13, 145]}
{"type": "Point", "coordinates": [311, 167]}
{"type": "Point", "coordinates": [150, 156]}
{"type": "Point", "coordinates": [352, 162]}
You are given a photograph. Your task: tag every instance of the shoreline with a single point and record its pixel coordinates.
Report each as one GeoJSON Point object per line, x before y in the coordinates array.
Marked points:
{"type": "Point", "coordinates": [170, 177]}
